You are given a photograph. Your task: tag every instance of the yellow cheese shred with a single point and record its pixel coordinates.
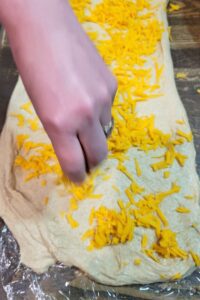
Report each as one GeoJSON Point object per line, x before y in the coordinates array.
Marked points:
{"type": "Point", "coordinates": [27, 107]}
{"type": "Point", "coordinates": [196, 258]}
{"type": "Point", "coordinates": [166, 174]}
{"type": "Point", "coordinates": [137, 167]}
{"type": "Point", "coordinates": [73, 223]}
{"type": "Point", "coordinates": [137, 261]}
{"type": "Point", "coordinates": [182, 209]}
{"type": "Point", "coordinates": [181, 75]}
{"type": "Point", "coordinates": [144, 241]}
{"type": "Point", "coordinates": [46, 201]}
{"type": "Point", "coordinates": [176, 276]}
{"type": "Point", "coordinates": [20, 118]}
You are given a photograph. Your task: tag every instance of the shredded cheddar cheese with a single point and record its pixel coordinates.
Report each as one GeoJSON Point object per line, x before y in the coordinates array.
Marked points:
{"type": "Point", "coordinates": [144, 241]}
{"type": "Point", "coordinates": [181, 75]}
{"type": "Point", "coordinates": [174, 7]}
{"type": "Point", "coordinates": [189, 197]}
{"type": "Point", "coordinates": [196, 258]}
{"type": "Point", "coordinates": [166, 174]}
{"type": "Point", "coordinates": [20, 118]}
{"type": "Point", "coordinates": [73, 223]}
{"type": "Point", "coordinates": [176, 276]}
{"type": "Point", "coordinates": [27, 107]}
{"type": "Point", "coordinates": [33, 123]}
{"type": "Point", "coordinates": [46, 201]}
{"type": "Point", "coordinates": [138, 169]}
{"type": "Point", "coordinates": [183, 210]}
{"type": "Point", "coordinates": [137, 261]}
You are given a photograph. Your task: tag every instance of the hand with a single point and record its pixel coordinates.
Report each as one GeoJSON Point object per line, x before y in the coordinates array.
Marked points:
{"type": "Point", "coordinates": [67, 81]}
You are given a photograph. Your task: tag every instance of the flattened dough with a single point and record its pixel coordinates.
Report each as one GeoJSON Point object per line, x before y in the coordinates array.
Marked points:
{"type": "Point", "coordinates": [44, 237]}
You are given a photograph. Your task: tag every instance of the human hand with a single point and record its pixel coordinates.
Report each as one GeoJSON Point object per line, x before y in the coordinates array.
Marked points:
{"type": "Point", "coordinates": [67, 81]}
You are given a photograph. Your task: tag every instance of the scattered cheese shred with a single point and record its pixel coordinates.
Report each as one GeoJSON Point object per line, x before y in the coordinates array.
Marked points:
{"type": "Point", "coordinates": [167, 245]}
{"type": "Point", "coordinates": [120, 229]}
{"type": "Point", "coordinates": [189, 197]}
{"type": "Point", "coordinates": [116, 188]}
{"type": "Point", "coordinates": [73, 223]}
{"type": "Point", "coordinates": [43, 182]}
{"type": "Point", "coordinates": [63, 214]}
{"type": "Point", "coordinates": [170, 33]}
{"type": "Point", "coordinates": [196, 258]}
{"type": "Point", "coordinates": [180, 122]}
{"type": "Point", "coordinates": [176, 276]}
{"type": "Point", "coordinates": [20, 118]}
{"type": "Point", "coordinates": [46, 201]}
{"type": "Point", "coordinates": [138, 169]}
{"type": "Point", "coordinates": [174, 7]}
{"type": "Point", "coordinates": [150, 254]}
{"type": "Point", "coordinates": [166, 174]}
{"type": "Point", "coordinates": [183, 210]}
{"type": "Point", "coordinates": [20, 139]}
{"type": "Point", "coordinates": [34, 124]}
{"type": "Point", "coordinates": [181, 75]}
{"type": "Point", "coordinates": [144, 241]}
{"type": "Point", "coordinates": [27, 107]}
{"type": "Point", "coordinates": [137, 261]}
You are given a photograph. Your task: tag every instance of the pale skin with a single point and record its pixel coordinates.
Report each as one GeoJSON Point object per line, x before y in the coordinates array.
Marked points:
{"type": "Point", "coordinates": [70, 86]}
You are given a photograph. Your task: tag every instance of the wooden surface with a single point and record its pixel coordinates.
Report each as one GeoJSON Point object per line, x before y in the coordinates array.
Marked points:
{"type": "Point", "coordinates": [185, 47]}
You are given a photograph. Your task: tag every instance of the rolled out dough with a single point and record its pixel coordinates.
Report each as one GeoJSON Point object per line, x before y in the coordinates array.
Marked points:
{"type": "Point", "coordinates": [45, 237]}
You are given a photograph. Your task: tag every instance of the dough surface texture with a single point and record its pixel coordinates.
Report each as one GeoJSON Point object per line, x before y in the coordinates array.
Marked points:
{"type": "Point", "coordinates": [40, 208]}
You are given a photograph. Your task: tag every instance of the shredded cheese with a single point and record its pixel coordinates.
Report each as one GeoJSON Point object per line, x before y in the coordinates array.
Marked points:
{"type": "Point", "coordinates": [73, 223]}
{"type": "Point", "coordinates": [138, 169]}
{"type": "Point", "coordinates": [196, 258]}
{"type": "Point", "coordinates": [20, 118]}
{"type": "Point", "coordinates": [176, 276]}
{"type": "Point", "coordinates": [137, 261]}
{"type": "Point", "coordinates": [27, 107]}
{"type": "Point", "coordinates": [144, 241]}
{"type": "Point", "coordinates": [181, 75]}
{"type": "Point", "coordinates": [183, 210]}
{"type": "Point", "coordinates": [46, 201]}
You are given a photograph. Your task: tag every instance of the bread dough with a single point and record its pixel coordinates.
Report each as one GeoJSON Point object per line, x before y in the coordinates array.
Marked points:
{"type": "Point", "coordinates": [45, 237]}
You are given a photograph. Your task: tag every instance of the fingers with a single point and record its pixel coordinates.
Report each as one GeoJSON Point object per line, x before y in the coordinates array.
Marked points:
{"type": "Point", "coordinates": [107, 102]}
{"type": "Point", "coordinates": [93, 141]}
{"type": "Point", "coordinates": [70, 156]}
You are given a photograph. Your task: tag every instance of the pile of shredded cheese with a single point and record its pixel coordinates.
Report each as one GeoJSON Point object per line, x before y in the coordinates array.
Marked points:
{"type": "Point", "coordinates": [134, 34]}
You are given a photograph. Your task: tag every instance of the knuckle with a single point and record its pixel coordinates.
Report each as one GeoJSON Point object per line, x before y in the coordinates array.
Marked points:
{"type": "Point", "coordinates": [53, 123]}
{"type": "Point", "coordinates": [105, 93]}
{"type": "Point", "coordinates": [88, 111]}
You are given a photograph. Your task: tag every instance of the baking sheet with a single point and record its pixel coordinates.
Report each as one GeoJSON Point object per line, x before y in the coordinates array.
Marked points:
{"type": "Point", "coordinates": [19, 282]}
